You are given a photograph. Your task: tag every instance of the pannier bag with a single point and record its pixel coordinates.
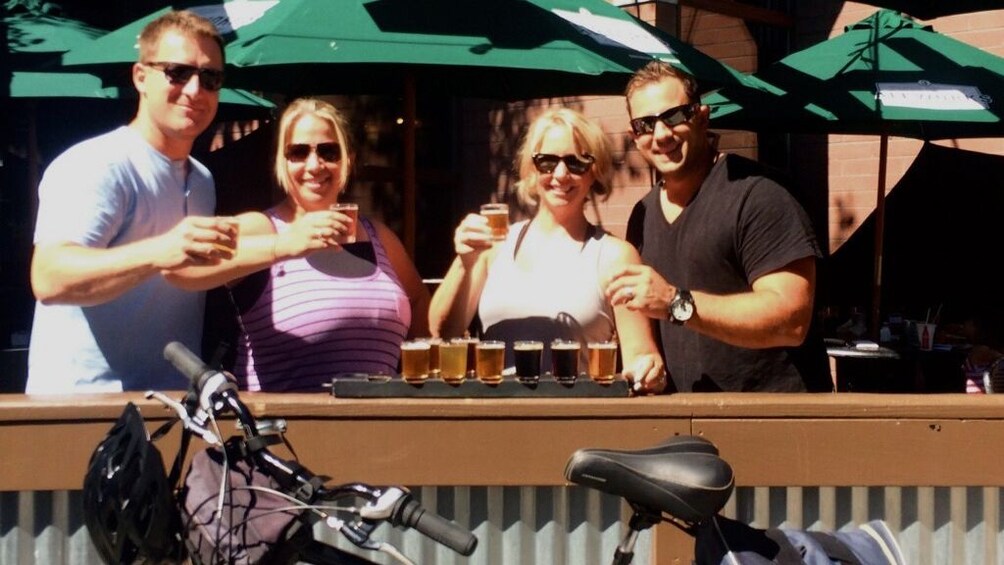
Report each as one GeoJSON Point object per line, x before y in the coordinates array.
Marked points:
{"type": "Point", "coordinates": [252, 521]}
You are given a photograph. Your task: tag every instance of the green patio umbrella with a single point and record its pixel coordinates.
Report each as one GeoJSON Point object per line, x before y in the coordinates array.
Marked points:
{"type": "Point", "coordinates": [35, 43]}
{"type": "Point", "coordinates": [885, 75]}
{"type": "Point", "coordinates": [928, 9]}
{"type": "Point", "coordinates": [496, 49]}
{"type": "Point", "coordinates": [235, 104]}
{"type": "Point", "coordinates": [761, 106]}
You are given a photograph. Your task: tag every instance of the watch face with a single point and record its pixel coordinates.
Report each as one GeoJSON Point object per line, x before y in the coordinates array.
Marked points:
{"type": "Point", "coordinates": [682, 307]}
{"type": "Point", "coordinates": [683, 310]}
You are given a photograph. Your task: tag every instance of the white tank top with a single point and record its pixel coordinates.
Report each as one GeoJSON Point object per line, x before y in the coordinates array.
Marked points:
{"type": "Point", "coordinates": [561, 300]}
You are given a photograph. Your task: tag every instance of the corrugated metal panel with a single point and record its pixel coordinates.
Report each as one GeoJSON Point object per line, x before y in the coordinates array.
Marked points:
{"type": "Point", "coordinates": [558, 525]}
{"type": "Point", "coordinates": [520, 525]}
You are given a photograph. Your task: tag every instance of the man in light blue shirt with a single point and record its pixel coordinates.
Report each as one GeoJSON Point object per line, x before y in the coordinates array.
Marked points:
{"type": "Point", "coordinates": [117, 211]}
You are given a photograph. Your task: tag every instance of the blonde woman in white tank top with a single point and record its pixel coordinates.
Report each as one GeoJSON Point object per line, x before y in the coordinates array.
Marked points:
{"type": "Point", "coordinates": [551, 270]}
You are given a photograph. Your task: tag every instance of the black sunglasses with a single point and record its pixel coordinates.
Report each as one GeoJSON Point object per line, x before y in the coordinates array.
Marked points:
{"type": "Point", "coordinates": [328, 152]}
{"type": "Point", "coordinates": [179, 73]}
{"type": "Point", "coordinates": [546, 163]}
{"type": "Point", "coordinates": [672, 117]}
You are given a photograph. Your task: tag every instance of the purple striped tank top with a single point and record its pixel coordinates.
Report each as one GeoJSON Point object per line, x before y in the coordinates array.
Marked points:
{"type": "Point", "coordinates": [304, 321]}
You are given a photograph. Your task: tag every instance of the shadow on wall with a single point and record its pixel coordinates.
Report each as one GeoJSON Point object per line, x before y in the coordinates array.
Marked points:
{"type": "Point", "coordinates": [943, 238]}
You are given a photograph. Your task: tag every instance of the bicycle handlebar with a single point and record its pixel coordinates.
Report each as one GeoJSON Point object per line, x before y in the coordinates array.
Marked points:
{"type": "Point", "coordinates": [204, 381]}
{"type": "Point", "coordinates": [216, 390]}
{"type": "Point", "coordinates": [410, 514]}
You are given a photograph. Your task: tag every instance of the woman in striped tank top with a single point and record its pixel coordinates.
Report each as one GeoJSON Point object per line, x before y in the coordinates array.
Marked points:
{"type": "Point", "coordinates": [312, 303]}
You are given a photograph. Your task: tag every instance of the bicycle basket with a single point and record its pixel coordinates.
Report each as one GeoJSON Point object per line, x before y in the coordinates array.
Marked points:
{"type": "Point", "coordinates": [248, 525]}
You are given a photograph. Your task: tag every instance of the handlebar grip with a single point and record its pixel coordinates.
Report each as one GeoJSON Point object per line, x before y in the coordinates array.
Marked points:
{"type": "Point", "coordinates": [205, 381]}
{"type": "Point", "coordinates": [186, 362]}
{"type": "Point", "coordinates": [410, 514]}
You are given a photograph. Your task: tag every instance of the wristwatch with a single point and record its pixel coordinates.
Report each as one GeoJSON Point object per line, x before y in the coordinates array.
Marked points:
{"type": "Point", "coordinates": [681, 308]}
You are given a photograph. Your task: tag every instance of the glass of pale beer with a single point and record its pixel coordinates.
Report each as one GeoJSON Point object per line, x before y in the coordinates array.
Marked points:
{"type": "Point", "coordinates": [434, 344]}
{"type": "Point", "coordinates": [453, 361]}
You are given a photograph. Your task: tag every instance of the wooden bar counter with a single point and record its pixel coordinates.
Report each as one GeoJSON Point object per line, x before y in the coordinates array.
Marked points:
{"type": "Point", "coordinates": [861, 440]}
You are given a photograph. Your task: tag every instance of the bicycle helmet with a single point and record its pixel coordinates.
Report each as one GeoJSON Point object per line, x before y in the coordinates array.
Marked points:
{"type": "Point", "coordinates": [129, 507]}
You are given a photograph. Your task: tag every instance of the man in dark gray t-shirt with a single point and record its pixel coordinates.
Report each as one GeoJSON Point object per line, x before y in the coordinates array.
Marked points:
{"type": "Point", "coordinates": [730, 256]}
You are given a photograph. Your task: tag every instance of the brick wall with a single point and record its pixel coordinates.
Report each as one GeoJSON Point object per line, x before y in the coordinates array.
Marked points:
{"type": "Point", "coordinates": [853, 160]}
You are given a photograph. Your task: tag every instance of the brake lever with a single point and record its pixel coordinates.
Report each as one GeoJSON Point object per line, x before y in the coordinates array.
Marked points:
{"type": "Point", "coordinates": [359, 535]}
{"type": "Point", "coordinates": [186, 420]}
{"type": "Point", "coordinates": [382, 507]}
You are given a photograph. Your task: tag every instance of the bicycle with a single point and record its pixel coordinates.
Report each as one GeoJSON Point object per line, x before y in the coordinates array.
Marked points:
{"type": "Point", "coordinates": [685, 482]}
{"type": "Point", "coordinates": [241, 502]}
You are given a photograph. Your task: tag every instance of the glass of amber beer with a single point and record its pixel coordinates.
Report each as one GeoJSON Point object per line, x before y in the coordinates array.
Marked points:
{"type": "Point", "coordinates": [498, 219]}
{"type": "Point", "coordinates": [602, 361]}
{"type": "Point", "coordinates": [351, 210]}
{"type": "Point", "coordinates": [415, 361]}
{"type": "Point", "coordinates": [490, 361]}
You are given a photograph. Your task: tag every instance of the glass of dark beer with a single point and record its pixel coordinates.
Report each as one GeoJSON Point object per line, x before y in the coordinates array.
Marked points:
{"type": "Point", "coordinates": [527, 357]}
{"type": "Point", "coordinates": [565, 360]}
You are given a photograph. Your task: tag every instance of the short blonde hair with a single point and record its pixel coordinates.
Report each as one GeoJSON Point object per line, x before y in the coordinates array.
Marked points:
{"type": "Point", "coordinates": [589, 140]}
{"type": "Point", "coordinates": [184, 22]}
{"type": "Point", "coordinates": [300, 108]}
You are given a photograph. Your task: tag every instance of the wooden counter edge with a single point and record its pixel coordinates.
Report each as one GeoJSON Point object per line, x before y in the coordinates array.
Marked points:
{"type": "Point", "coordinates": [25, 408]}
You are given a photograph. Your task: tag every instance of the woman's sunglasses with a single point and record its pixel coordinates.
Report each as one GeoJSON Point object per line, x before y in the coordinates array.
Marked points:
{"type": "Point", "coordinates": [546, 163]}
{"type": "Point", "coordinates": [329, 152]}
{"type": "Point", "coordinates": [672, 117]}
{"type": "Point", "coordinates": [179, 74]}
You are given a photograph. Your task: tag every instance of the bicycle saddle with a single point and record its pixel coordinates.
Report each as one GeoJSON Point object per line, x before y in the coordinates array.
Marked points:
{"type": "Point", "coordinates": [683, 477]}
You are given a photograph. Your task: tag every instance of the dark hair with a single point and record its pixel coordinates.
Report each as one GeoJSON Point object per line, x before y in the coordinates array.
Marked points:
{"type": "Point", "coordinates": [656, 71]}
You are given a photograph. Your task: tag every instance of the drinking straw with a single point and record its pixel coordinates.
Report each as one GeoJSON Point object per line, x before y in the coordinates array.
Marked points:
{"type": "Point", "coordinates": [928, 317]}
{"type": "Point", "coordinates": [937, 314]}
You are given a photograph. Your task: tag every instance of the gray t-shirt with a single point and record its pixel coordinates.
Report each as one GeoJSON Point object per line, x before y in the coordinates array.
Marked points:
{"type": "Point", "coordinates": [739, 226]}
{"type": "Point", "coordinates": [104, 192]}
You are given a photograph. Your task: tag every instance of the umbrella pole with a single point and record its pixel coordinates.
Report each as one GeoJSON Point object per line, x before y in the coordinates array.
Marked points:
{"type": "Point", "coordinates": [410, 113]}
{"type": "Point", "coordinates": [879, 237]}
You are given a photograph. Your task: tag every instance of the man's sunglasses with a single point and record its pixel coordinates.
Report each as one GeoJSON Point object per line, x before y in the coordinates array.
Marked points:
{"type": "Point", "coordinates": [546, 163]}
{"type": "Point", "coordinates": [180, 74]}
{"type": "Point", "coordinates": [672, 117]}
{"type": "Point", "coordinates": [329, 152]}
